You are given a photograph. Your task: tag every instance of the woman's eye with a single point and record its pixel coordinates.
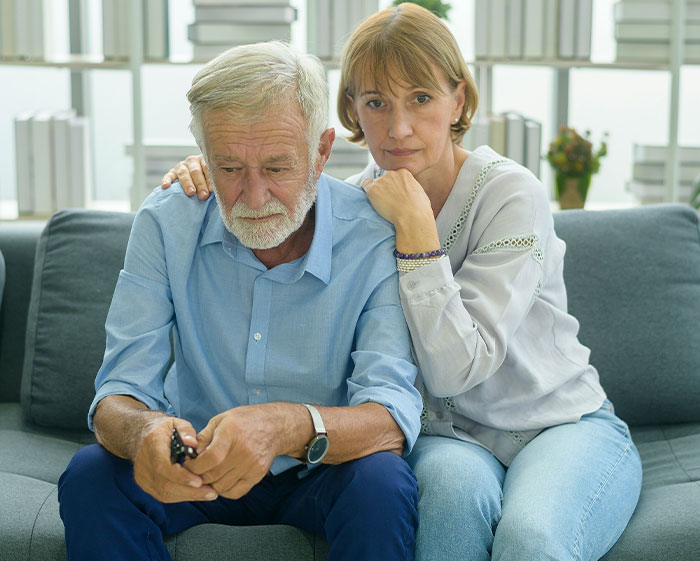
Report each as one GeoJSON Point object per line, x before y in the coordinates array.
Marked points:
{"type": "Point", "coordinates": [374, 103]}
{"type": "Point", "coordinates": [422, 99]}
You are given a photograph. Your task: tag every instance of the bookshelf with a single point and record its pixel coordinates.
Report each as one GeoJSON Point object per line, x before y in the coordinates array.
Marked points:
{"type": "Point", "coordinates": [562, 69]}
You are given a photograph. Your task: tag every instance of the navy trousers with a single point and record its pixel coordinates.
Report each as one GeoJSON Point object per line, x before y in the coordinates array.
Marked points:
{"type": "Point", "coordinates": [108, 516]}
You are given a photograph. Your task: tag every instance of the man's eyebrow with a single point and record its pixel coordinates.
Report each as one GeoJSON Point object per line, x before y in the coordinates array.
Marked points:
{"type": "Point", "coordinates": [281, 159]}
{"type": "Point", "coordinates": [224, 158]}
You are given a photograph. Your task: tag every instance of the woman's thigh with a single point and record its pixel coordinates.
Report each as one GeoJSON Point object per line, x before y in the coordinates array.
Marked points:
{"type": "Point", "coordinates": [459, 499]}
{"type": "Point", "coordinates": [570, 492]}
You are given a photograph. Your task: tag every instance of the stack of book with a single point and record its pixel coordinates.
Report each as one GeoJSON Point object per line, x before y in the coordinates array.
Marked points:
{"type": "Point", "coordinates": [161, 155]}
{"type": "Point", "coordinates": [116, 29]}
{"type": "Point", "coordinates": [222, 24]}
{"type": "Point", "coordinates": [52, 151]}
{"type": "Point", "coordinates": [330, 22]}
{"type": "Point", "coordinates": [533, 29]}
{"type": "Point", "coordinates": [643, 31]}
{"type": "Point", "coordinates": [22, 29]}
{"type": "Point", "coordinates": [649, 172]}
{"type": "Point", "coordinates": [509, 134]}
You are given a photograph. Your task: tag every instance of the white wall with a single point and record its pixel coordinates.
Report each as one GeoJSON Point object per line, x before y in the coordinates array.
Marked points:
{"type": "Point", "coordinates": [631, 105]}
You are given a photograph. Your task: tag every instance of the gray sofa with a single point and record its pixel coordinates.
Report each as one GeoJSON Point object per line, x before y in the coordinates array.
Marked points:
{"type": "Point", "coordinates": [634, 283]}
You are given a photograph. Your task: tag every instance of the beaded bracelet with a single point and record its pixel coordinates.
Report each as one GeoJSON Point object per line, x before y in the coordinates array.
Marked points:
{"type": "Point", "coordinates": [435, 253]}
{"type": "Point", "coordinates": [408, 265]}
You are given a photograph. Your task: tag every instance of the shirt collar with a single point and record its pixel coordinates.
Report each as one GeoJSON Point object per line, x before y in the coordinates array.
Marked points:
{"type": "Point", "coordinates": [317, 260]}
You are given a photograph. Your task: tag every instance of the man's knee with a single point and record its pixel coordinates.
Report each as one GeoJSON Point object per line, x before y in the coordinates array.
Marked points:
{"type": "Point", "coordinates": [91, 470]}
{"type": "Point", "coordinates": [382, 480]}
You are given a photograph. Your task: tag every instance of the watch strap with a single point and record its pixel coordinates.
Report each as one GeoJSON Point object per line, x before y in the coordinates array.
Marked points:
{"type": "Point", "coordinates": [319, 427]}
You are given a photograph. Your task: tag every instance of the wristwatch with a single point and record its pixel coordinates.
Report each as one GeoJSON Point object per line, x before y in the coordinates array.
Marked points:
{"type": "Point", "coordinates": [317, 447]}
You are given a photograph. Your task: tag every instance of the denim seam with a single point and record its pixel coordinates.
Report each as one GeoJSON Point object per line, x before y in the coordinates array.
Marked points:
{"type": "Point", "coordinates": [594, 500]}
{"type": "Point", "coordinates": [675, 457]}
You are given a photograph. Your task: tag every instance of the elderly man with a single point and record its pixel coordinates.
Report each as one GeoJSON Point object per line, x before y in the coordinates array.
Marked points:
{"type": "Point", "coordinates": [292, 386]}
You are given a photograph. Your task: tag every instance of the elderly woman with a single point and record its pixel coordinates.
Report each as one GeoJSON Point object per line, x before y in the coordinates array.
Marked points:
{"type": "Point", "coordinates": [521, 455]}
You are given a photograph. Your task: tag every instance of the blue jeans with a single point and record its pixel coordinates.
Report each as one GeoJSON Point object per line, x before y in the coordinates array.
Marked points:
{"type": "Point", "coordinates": [366, 509]}
{"type": "Point", "coordinates": [567, 495]}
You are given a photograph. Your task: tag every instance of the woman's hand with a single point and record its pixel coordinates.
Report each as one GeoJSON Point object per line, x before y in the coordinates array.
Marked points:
{"type": "Point", "coordinates": [401, 200]}
{"type": "Point", "coordinates": [193, 175]}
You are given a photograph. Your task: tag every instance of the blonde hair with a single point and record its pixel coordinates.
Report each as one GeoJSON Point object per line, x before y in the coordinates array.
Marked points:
{"type": "Point", "coordinates": [401, 43]}
{"type": "Point", "coordinates": [250, 80]}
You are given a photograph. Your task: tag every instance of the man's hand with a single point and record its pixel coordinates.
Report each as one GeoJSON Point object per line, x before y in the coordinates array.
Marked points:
{"type": "Point", "coordinates": [238, 446]}
{"type": "Point", "coordinates": [157, 475]}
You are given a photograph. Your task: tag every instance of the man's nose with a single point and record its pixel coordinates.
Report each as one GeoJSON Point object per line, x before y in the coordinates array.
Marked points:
{"type": "Point", "coordinates": [257, 192]}
{"type": "Point", "coordinates": [400, 125]}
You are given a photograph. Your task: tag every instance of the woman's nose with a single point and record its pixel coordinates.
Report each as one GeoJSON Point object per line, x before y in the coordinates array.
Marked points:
{"type": "Point", "coordinates": [400, 126]}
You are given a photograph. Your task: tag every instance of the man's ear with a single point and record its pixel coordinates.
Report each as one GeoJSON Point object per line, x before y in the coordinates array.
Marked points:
{"type": "Point", "coordinates": [324, 150]}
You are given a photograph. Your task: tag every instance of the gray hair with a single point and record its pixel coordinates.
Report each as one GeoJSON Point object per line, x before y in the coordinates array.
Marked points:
{"type": "Point", "coordinates": [250, 79]}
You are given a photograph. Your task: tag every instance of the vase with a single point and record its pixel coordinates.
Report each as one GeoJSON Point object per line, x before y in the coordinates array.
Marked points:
{"type": "Point", "coordinates": [572, 190]}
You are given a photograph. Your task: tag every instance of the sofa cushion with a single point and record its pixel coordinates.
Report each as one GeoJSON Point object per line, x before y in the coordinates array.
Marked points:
{"type": "Point", "coordinates": [665, 523]}
{"type": "Point", "coordinates": [78, 259]}
{"type": "Point", "coordinates": [633, 282]}
{"type": "Point", "coordinates": [18, 240]}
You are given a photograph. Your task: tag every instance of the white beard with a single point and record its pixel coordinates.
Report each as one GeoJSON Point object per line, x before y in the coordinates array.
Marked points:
{"type": "Point", "coordinates": [270, 233]}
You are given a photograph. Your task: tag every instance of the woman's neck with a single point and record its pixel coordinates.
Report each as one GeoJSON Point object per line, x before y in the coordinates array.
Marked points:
{"type": "Point", "coordinates": [437, 182]}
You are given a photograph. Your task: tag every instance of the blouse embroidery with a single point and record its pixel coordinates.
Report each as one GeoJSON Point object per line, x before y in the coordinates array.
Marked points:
{"type": "Point", "coordinates": [514, 243]}
{"type": "Point", "coordinates": [461, 220]}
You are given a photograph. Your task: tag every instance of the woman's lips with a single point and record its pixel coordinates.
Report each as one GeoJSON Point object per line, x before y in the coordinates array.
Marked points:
{"type": "Point", "coordinates": [399, 152]}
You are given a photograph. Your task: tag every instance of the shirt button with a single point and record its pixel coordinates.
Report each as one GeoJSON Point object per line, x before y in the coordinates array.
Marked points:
{"type": "Point", "coordinates": [411, 285]}
{"type": "Point", "coordinates": [257, 336]}
{"type": "Point", "coordinates": [257, 392]}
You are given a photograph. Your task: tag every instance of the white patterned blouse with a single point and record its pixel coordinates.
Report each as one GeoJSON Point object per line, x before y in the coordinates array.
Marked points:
{"type": "Point", "coordinates": [498, 352]}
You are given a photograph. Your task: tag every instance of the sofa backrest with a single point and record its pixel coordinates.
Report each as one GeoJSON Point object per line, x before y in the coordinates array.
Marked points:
{"type": "Point", "coordinates": [633, 282]}
{"type": "Point", "coordinates": [78, 259]}
{"type": "Point", "coordinates": [18, 240]}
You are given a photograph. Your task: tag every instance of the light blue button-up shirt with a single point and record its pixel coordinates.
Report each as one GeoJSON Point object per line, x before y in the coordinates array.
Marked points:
{"type": "Point", "coordinates": [327, 328]}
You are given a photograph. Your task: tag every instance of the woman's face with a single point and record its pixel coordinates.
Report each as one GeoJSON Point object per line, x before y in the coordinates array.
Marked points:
{"type": "Point", "coordinates": [409, 127]}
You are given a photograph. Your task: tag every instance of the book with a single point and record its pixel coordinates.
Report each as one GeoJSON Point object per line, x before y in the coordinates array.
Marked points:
{"type": "Point", "coordinates": [533, 146]}
{"type": "Point", "coordinates": [478, 133]}
{"type": "Point", "coordinates": [60, 125]}
{"type": "Point", "coordinates": [657, 153]}
{"type": "Point", "coordinates": [567, 29]}
{"type": "Point", "coordinates": [318, 30]}
{"type": "Point", "coordinates": [116, 23]}
{"type": "Point", "coordinates": [42, 163]}
{"type": "Point", "coordinates": [8, 41]}
{"type": "Point", "coordinates": [497, 133]}
{"type": "Point", "coordinates": [659, 31]}
{"type": "Point", "coordinates": [497, 29]}
{"type": "Point", "coordinates": [533, 29]}
{"type": "Point", "coordinates": [277, 13]}
{"type": "Point", "coordinates": [584, 28]}
{"type": "Point", "coordinates": [481, 26]}
{"type": "Point", "coordinates": [348, 154]}
{"type": "Point", "coordinates": [653, 193]}
{"type": "Point", "coordinates": [514, 41]}
{"type": "Point", "coordinates": [551, 29]}
{"type": "Point", "coordinates": [229, 33]}
{"type": "Point", "coordinates": [654, 52]}
{"type": "Point", "coordinates": [515, 137]}
{"type": "Point", "coordinates": [80, 162]}
{"type": "Point", "coordinates": [656, 172]}
{"type": "Point", "coordinates": [24, 165]}
{"type": "Point", "coordinates": [654, 11]}
{"type": "Point", "coordinates": [156, 38]}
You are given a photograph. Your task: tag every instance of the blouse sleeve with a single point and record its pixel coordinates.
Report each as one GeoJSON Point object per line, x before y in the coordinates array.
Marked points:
{"type": "Point", "coordinates": [461, 323]}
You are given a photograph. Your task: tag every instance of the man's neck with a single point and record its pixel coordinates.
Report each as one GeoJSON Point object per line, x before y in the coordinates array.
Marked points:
{"type": "Point", "coordinates": [294, 247]}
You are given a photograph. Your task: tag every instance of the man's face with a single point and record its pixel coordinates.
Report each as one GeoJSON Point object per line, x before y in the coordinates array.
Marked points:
{"type": "Point", "coordinates": [261, 174]}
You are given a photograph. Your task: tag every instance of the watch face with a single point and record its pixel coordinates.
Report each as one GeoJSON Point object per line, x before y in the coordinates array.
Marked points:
{"type": "Point", "coordinates": [317, 449]}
